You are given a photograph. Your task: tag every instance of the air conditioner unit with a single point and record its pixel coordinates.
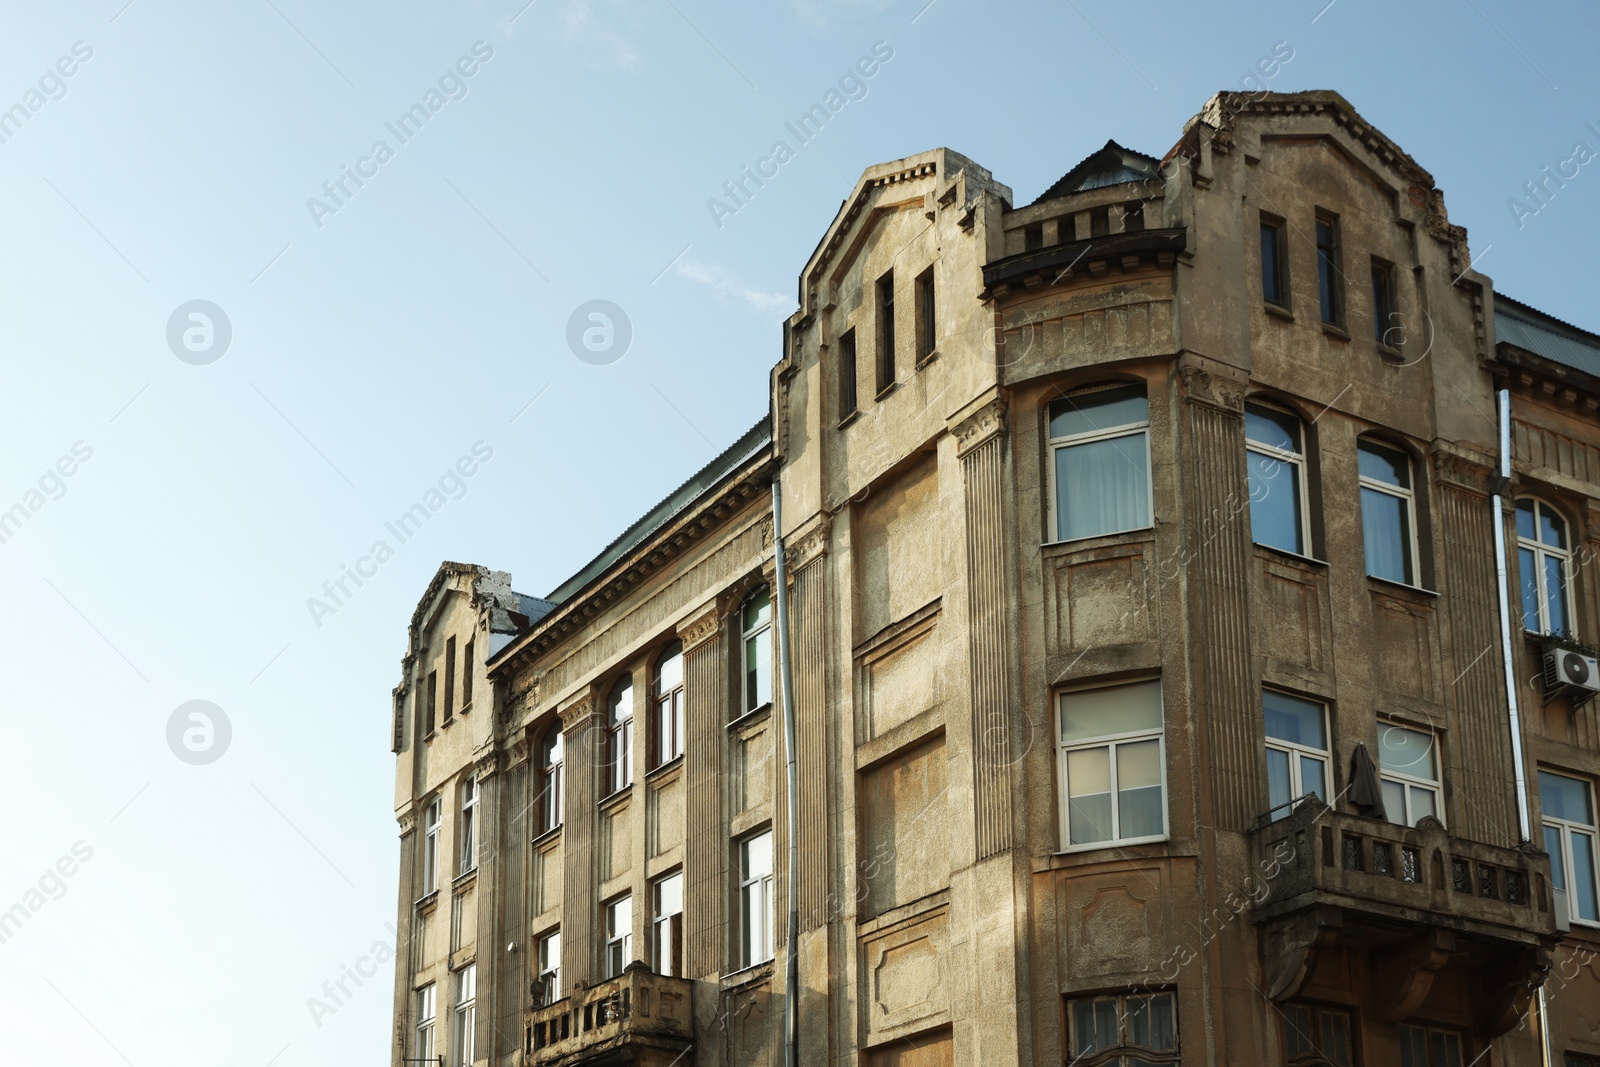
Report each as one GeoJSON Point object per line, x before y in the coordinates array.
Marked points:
{"type": "Point", "coordinates": [1563, 667]}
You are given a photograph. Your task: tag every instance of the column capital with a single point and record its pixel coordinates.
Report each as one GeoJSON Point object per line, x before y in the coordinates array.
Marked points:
{"type": "Point", "coordinates": [981, 426]}
{"type": "Point", "coordinates": [1202, 386]}
{"type": "Point", "coordinates": [576, 713]}
{"type": "Point", "coordinates": [810, 543]}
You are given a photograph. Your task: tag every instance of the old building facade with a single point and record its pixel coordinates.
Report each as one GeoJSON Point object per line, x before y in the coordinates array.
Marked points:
{"type": "Point", "coordinates": [1181, 670]}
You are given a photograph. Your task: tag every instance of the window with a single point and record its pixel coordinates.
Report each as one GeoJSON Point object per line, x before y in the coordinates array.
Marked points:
{"type": "Point", "coordinates": [847, 375]}
{"type": "Point", "coordinates": [1316, 1035]}
{"type": "Point", "coordinates": [667, 729]}
{"type": "Point", "coordinates": [425, 1012]}
{"type": "Point", "coordinates": [1543, 559]}
{"type": "Point", "coordinates": [619, 738]}
{"type": "Point", "coordinates": [1569, 837]}
{"type": "Point", "coordinates": [666, 925]}
{"type": "Point", "coordinates": [466, 1014]}
{"type": "Point", "coordinates": [1388, 513]}
{"type": "Point", "coordinates": [885, 331]}
{"type": "Point", "coordinates": [1033, 237]}
{"type": "Point", "coordinates": [1111, 760]}
{"type": "Point", "coordinates": [547, 989]}
{"type": "Point", "coordinates": [1297, 749]}
{"type": "Point", "coordinates": [927, 316]}
{"type": "Point", "coordinates": [1100, 462]}
{"type": "Point", "coordinates": [1385, 319]}
{"type": "Point", "coordinates": [1408, 766]}
{"type": "Point", "coordinates": [1274, 273]}
{"type": "Point", "coordinates": [1424, 1046]}
{"type": "Point", "coordinates": [449, 679]}
{"type": "Point", "coordinates": [551, 804]}
{"type": "Point", "coordinates": [430, 846]}
{"type": "Point", "coordinates": [1328, 274]}
{"type": "Point", "coordinates": [1100, 222]}
{"type": "Point", "coordinates": [1129, 1031]}
{"type": "Point", "coordinates": [466, 676]}
{"type": "Point", "coordinates": [1133, 217]}
{"type": "Point", "coordinates": [1276, 454]}
{"type": "Point", "coordinates": [755, 899]}
{"type": "Point", "coordinates": [619, 935]}
{"type": "Point", "coordinates": [433, 699]}
{"type": "Point", "coordinates": [1575, 1060]}
{"type": "Point", "coordinates": [756, 627]}
{"type": "Point", "coordinates": [469, 824]}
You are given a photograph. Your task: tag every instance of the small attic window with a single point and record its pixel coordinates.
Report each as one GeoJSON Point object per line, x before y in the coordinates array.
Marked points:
{"type": "Point", "coordinates": [1033, 237]}
{"type": "Point", "coordinates": [1133, 217]}
{"type": "Point", "coordinates": [1100, 222]}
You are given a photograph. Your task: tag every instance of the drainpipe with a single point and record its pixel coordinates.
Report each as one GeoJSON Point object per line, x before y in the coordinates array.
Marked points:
{"type": "Point", "coordinates": [791, 1006]}
{"type": "Point", "coordinates": [1503, 404]}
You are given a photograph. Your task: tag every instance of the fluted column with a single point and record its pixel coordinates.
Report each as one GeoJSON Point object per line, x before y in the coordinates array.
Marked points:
{"type": "Point", "coordinates": [705, 860]}
{"type": "Point", "coordinates": [579, 737]}
{"type": "Point", "coordinates": [809, 639]}
{"type": "Point", "coordinates": [406, 919]}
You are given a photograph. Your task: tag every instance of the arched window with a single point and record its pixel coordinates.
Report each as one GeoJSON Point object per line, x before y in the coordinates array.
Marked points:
{"type": "Point", "coordinates": [1388, 512]}
{"type": "Point", "coordinates": [1544, 557]}
{"type": "Point", "coordinates": [1100, 462]}
{"type": "Point", "coordinates": [551, 803]}
{"type": "Point", "coordinates": [667, 726]}
{"type": "Point", "coordinates": [1275, 450]}
{"type": "Point", "coordinates": [619, 738]}
{"type": "Point", "coordinates": [756, 651]}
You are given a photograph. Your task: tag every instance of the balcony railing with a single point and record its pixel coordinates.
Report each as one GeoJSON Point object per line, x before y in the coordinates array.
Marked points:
{"type": "Point", "coordinates": [618, 1021]}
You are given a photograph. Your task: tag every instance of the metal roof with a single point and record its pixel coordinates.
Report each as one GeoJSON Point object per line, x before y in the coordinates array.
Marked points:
{"type": "Point", "coordinates": [1521, 326]}
{"type": "Point", "coordinates": [1110, 165]}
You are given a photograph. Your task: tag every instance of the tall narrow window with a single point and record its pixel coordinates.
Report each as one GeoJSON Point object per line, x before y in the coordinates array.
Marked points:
{"type": "Point", "coordinates": [1388, 513]}
{"type": "Point", "coordinates": [466, 1014]}
{"type": "Point", "coordinates": [1144, 1028]}
{"type": "Point", "coordinates": [469, 824]}
{"type": "Point", "coordinates": [547, 988]}
{"type": "Point", "coordinates": [756, 625]}
{"type": "Point", "coordinates": [551, 804]}
{"type": "Point", "coordinates": [1297, 750]}
{"type": "Point", "coordinates": [1543, 559]}
{"type": "Point", "coordinates": [1313, 1034]}
{"type": "Point", "coordinates": [1427, 1046]}
{"type": "Point", "coordinates": [1408, 766]}
{"type": "Point", "coordinates": [1100, 222]}
{"type": "Point", "coordinates": [431, 819]}
{"type": "Point", "coordinates": [619, 935]}
{"type": "Point", "coordinates": [1569, 836]}
{"type": "Point", "coordinates": [1133, 217]}
{"type": "Point", "coordinates": [886, 331]}
{"type": "Point", "coordinates": [449, 679]}
{"type": "Point", "coordinates": [426, 1009]}
{"type": "Point", "coordinates": [1100, 462]}
{"type": "Point", "coordinates": [666, 925]}
{"type": "Point", "coordinates": [755, 899]}
{"type": "Point", "coordinates": [847, 375]}
{"type": "Point", "coordinates": [667, 725]}
{"type": "Point", "coordinates": [433, 699]}
{"type": "Point", "coordinates": [1110, 758]}
{"type": "Point", "coordinates": [927, 317]}
{"type": "Point", "coordinates": [1033, 237]}
{"type": "Point", "coordinates": [1276, 454]}
{"type": "Point", "coordinates": [619, 738]}
{"type": "Point", "coordinates": [1274, 275]}
{"type": "Point", "coordinates": [467, 664]}
{"type": "Point", "coordinates": [1385, 319]}
{"type": "Point", "coordinates": [1328, 275]}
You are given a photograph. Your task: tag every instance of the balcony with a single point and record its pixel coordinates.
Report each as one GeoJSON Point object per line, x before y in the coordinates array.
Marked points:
{"type": "Point", "coordinates": [639, 1018]}
{"type": "Point", "coordinates": [1414, 900]}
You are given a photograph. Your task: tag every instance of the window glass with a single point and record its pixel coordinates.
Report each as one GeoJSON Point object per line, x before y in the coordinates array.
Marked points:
{"type": "Point", "coordinates": [1565, 798]}
{"type": "Point", "coordinates": [1542, 564]}
{"type": "Point", "coordinates": [1292, 719]}
{"type": "Point", "coordinates": [1271, 275]}
{"type": "Point", "coordinates": [1111, 765]}
{"type": "Point", "coordinates": [1099, 412]}
{"type": "Point", "coordinates": [1266, 426]}
{"type": "Point", "coordinates": [1143, 1028]}
{"type": "Point", "coordinates": [1113, 710]}
{"type": "Point", "coordinates": [757, 655]}
{"type": "Point", "coordinates": [1407, 751]}
{"type": "Point", "coordinates": [1384, 465]}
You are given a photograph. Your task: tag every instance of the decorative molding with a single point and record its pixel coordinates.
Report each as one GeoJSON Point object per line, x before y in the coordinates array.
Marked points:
{"type": "Point", "coordinates": [1462, 471]}
{"type": "Point", "coordinates": [576, 715]}
{"type": "Point", "coordinates": [982, 426]}
{"type": "Point", "coordinates": [487, 765]}
{"type": "Point", "coordinates": [703, 626]}
{"type": "Point", "coordinates": [810, 545]}
{"type": "Point", "coordinates": [1215, 391]}
{"type": "Point", "coordinates": [407, 820]}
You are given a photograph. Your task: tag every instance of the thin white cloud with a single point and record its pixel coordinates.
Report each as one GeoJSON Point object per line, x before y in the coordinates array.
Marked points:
{"type": "Point", "coordinates": [604, 47]}
{"type": "Point", "coordinates": [719, 282]}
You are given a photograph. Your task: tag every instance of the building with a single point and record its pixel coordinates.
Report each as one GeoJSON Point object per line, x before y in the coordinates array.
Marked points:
{"type": "Point", "coordinates": [1158, 694]}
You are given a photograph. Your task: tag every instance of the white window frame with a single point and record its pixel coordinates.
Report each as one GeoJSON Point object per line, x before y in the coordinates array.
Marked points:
{"type": "Point", "coordinates": [552, 779]}
{"type": "Point", "coordinates": [1108, 741]}
{"type": "Point", "coordinates": [1055, 444]}
{"type": "Point", "coordinates": [619, 737]}
{"type": "Point", "coordinates": [1409, 781]}
{"type": "Point", "coordinates": [667, 721]}
{"type": "Point", "coordinates": [665, 941]}
{"type": "Point", "coordinates": [1296, 751]}
{"type": "Point", "coordinates": [618, 934]}
{"type": "Point", "coordinates": [427, 1010]}
{"type": "Point", "coordinates": [1407, 495]}
{"type": "Point", "coordinates": [432, 818]}
{"type": "Point", "coordinates": [465, 1039]}
{"type": "Point", "coordinates": [746, 637]}
{"type": "Point", "coordinates": [1297, 464]}
{"type": "Point", "coordinates": [1541, 550]}
{"type": "Point", "coordinates": [757, 902]}
{"type": "Point", "coordinates": [467, 854]}
{"type": "Point", "coordinates": [547, 958]}
{"type": "Point", "coordinates": [1568, 827]}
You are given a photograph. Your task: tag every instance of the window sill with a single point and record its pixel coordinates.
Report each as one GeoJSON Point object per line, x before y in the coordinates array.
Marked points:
{"type": "Point", "coordinates": [427, 902]}
{"type": "Point", "coordinates": [747, 976]}
{"type": "Point", "coordinates": [428, 737]}
{"type": "Point", "coordinates": [464, 880]}
{"type": "Point", "coordinates": [447, 723]}
{"type": "Point", "coordinates": [612, 801]}
{"type": "Point", "coordinates": [1295, 557]}
{"type": "Point", "coordinates": [886, 390]}
{"type": "Point", "coordinates": [848, 419]}
{"type": "Point", "coordinates": [547, 837]}
{"type": "Point", "coordinates": [665, 770]}
{"type": "Point", "coordinates": [1145, 848]}
{"type": "Point", "coordinates": [750, 718]}
{"type": "Point", "coordinates": [1335, 331]}
{"type": "Point", "coordinates": [1390, 354]}
{"type": "Point", "coordinates": [465, 708]}
{"type": "Point", "coordinates": [1091, 539]}
{"type": "Point", "coordinates": [1277, 311]}
{"type": "Point", "coordinates": [1389, 585]}
{"type": "Point", "coordinates": [927, 359]}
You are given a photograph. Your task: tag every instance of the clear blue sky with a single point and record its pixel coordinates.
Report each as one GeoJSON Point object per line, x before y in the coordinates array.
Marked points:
{"type": "Point", "coordinates": [371, 351]}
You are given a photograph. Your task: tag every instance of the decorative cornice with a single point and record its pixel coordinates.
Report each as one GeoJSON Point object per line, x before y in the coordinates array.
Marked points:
{"type": "Point", "coordinates": [982, 426]}
{"type": "Point", "coordinates": [1202, 387]}
{"type": "Point", "coordinates": [407, 820]}
{"type": "Point", "coordinates": [487, 765]}
{"type": "Point", "coordinates": [704, 625]}
{"type": "Point", "coordinates": [577, 713]}
{"type": "Point", "coordinates": [1462, 471]}
{"type": "Point", "coordinates": [810, 545]}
